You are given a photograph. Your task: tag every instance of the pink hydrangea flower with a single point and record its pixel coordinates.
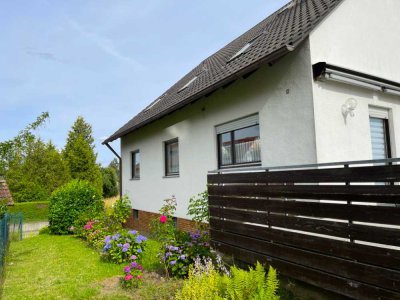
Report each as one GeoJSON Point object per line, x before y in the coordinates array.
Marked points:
{"type": "Point", "coordinates": [163, 219]}
{"type": "Point", "coordinates": [128, 277]}
{"type": "Point", "coordinates": [139, 277]}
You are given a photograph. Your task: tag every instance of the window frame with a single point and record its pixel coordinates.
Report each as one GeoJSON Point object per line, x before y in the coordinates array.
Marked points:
{"type": "Point", "coordinates": [386, 131]}
{"type": "Point", "coordinates": [166, 144]}
{"type": "Point", "coordinates": [233, 154]}
{"type": "Point", "coordinates": [133, 163]}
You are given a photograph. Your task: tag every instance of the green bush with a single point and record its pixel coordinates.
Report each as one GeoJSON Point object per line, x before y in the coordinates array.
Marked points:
{"type": "Point", "coordinates": [69, 202]}
{"type": "Point", "coordinates": [3, 207]}
{"type": "Point", "coordinates": [198, 210]}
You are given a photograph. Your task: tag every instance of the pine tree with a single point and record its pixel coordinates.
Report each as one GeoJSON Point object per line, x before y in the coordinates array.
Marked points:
{"type": "Point", "coordinates": [80, 156]}
{"type": "Point", "coordinates": [34, 176]}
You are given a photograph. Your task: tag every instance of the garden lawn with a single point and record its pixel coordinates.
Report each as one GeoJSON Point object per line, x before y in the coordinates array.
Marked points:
{"type": "Point", "coordinates": [32, 211]}
{"type": "Point", "coordinates": [57, 267]}
{"type": "Point", "coordinates": [63, 267]}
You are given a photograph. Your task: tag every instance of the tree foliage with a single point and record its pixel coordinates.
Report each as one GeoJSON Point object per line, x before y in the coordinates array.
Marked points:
{"type": "Point", "coordinates": [110, 182]}
{"type": "Point", "coordinates": [19, 145]}
{"type": "Point", "coordinates": [34, 176]}
{"type": "Point", "coordinates": [80, 156]}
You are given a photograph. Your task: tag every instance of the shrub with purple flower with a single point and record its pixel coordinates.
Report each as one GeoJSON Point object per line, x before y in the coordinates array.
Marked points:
{"type": "Point", "coordinates": [124, 245]}
{"type": "Point", "coordinates": [133, 274]}
{"type": "Point", "coordinates": [178, 257]}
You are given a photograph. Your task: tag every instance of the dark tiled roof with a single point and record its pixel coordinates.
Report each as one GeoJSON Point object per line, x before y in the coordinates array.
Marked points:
{"type": "Point", "coordinates": [272, 38]}
{"type": "Point", "coordinates": [4, 191]}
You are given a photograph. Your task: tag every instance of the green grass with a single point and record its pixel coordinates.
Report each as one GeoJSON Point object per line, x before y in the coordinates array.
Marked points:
{"type": "Point", "coordinates": [63, 267]}
{"type": "Point", "coordinates": [32, 211]}
{"type": "Point", "coordinates": [56, 267]}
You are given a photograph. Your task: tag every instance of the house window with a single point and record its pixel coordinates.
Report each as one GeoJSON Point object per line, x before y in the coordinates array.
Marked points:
{"type": "Point", "coordinates": [135, 164]}
{"type": "Point", "coordinates": [239, 143]}
{"type": "Point", "coordinates": [379, 129]}
{"type": "Point", "coordinates": [171, 157]}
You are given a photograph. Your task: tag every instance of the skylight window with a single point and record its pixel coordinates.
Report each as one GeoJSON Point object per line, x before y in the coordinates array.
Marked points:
{"type": "Point", "coordinates": [187, 84]}
{"type": "Point", "coordinates": [241, 51]}
{"type": "Point", "coordinates": [154, 103]}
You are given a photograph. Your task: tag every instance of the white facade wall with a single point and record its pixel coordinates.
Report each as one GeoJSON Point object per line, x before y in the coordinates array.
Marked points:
{"type": "Point", "coordinates": [361, 35]}
{"type": "Point", "coordinates": [281, 94]}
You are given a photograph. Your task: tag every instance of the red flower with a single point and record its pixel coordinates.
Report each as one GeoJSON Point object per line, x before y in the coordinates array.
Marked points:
{"type": "Point", "coordinates": [128, 277]}
{"type": "Point", "coordinates": [163, 219]}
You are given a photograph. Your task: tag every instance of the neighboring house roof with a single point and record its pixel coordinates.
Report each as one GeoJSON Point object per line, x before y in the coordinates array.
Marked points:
{"type": "Point", "coordinates": [266, 42]}
{"type": "Point", "coordinates": [5, 192]}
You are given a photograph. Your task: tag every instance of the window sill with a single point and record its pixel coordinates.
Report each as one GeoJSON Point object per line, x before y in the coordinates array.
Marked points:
{"type": "Point", "coordinates": [171, 176]}
{"type": "Point", "coordinates": [137, 178]}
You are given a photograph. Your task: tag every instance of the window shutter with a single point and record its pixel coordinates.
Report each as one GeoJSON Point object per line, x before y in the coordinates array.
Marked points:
{"type": "Point", "coordinates": [241, 123]}
{"type": "Point", "coordinates": [378, 112]}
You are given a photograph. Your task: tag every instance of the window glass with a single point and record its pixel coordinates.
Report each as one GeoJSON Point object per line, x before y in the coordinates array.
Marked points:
{"type": "Point", "coordinates": [247, 144]}
{"type": "Point", "coordinates": [246, 149]}
{"type": "Point", "coordinates": [379, 138]}
{"type": "Point", "coordinates": [172, 157]}
{"type": "Point", "coordinates": [225, 149]}
{"type": "Point", "coordinates": [136, 164]}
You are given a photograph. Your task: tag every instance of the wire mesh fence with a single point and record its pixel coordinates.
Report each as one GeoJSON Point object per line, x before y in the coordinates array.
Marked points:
{"type": "Point", "coordinates": [10, 229]}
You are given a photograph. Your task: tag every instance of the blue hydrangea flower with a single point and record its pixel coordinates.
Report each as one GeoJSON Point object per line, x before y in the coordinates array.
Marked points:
{"type": "Point", "coordinates": [139, 250]}
{"type": "Point", "coordinates": [133, 232]}
{"type": "Point", "coordinates": [172, 262]}
{"type": "Point", "coordinates": [183, 257]}
{"type": "Point", "coordinates": [119, 245]}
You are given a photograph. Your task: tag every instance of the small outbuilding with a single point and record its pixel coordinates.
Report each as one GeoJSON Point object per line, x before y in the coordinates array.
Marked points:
{"type": "Point", "coordinates": [5, 192]}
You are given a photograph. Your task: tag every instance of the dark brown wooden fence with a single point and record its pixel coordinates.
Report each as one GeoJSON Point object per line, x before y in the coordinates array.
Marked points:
{"type": "Point", "coordinates": [337, 228]}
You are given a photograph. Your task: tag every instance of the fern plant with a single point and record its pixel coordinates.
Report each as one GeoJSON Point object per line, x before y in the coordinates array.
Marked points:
{"type": "Point", "coordinates": [205, 282]}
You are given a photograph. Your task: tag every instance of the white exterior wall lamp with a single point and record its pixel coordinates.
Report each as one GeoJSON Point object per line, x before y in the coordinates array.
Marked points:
{"type": "Point", "coordinates": [348, 108]}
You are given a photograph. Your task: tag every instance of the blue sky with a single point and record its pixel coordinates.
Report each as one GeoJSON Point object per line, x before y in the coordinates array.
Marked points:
{"type": "Point", "coordinates": [105, 60]}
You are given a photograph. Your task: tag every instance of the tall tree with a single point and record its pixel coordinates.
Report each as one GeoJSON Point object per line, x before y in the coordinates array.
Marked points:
{"type": "Point", "coordinates": [80, 129]}
{"type": "Point", "coordinates": [17, 147]}
{"type": "Point", "coordinates": [110, 182]}
{"type": "Point", "coordinates": [80, 156]}
{"type": "Point", "coordinates": [36, 175]}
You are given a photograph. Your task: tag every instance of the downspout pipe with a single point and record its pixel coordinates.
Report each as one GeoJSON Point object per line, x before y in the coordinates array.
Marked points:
{"type": "Point", "coordinates": [120, 167]}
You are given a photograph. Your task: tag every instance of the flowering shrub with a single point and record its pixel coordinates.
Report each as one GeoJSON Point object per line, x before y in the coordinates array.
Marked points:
{"type": "Point", "coordinates": [162, 228]}
{"type": "Point", "coordinates": [95, 227]}
{"type": "Point", "coordinates": [183, 252]}
{"type": "Point", "coordinates": [133, 274]}
{"type": "Point", "coordinates": [121, 246]}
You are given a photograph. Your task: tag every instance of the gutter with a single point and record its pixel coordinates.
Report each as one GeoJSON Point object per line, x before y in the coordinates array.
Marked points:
{"type": "Point", "coordinates": [120, 166]}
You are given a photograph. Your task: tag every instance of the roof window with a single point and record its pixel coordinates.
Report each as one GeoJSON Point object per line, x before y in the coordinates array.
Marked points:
{"type": "Point", "coordinates": [241, 51]}
{"type": "Point", "coordinates": [154, 102]}
{"type": "Point", "coordinates": [188, 84]}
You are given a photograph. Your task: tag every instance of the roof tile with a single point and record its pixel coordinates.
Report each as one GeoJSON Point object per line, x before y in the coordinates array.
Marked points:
{"type": "Point", "coordinates": [288, 26]}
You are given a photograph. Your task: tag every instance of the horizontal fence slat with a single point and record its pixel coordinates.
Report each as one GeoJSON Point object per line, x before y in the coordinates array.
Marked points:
{"type": "Point", "coordinates": [368, 254]}
{"type": "Point", "coordinates": [373, 234]}
{"type": "Point", "coordinates": [348, 244]}
{"type": "Point", "coordinates": [373, 275]}
{"type": "Point", "coordinates": [361, 213]}
{"type": "Point", "coordinates": [384, 173]}
{"type": "Point", "coordinates": [361, 193]}
{"type": "Point", "coordinates": [342, 286]}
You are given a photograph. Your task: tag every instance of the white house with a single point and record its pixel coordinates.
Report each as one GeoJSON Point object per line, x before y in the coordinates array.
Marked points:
{"type": "Point", "coordinates": [317, 81]}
